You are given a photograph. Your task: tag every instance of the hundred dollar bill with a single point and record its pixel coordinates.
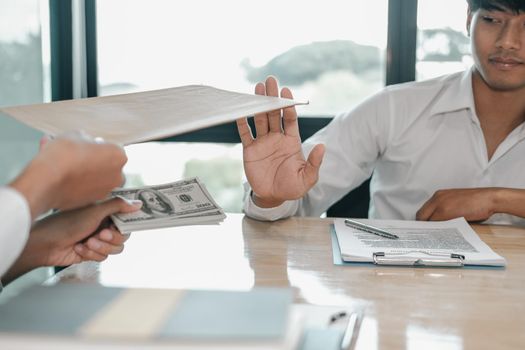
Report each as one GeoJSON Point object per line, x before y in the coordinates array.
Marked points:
{"type": "Point", "coordinates": [197, 220]}
{"type": "Point", "coordinates": [184, 202]}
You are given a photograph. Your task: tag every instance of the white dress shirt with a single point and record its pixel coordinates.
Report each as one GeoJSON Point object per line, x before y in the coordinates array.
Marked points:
{"type": "Point", "coordinates": [414, 139]}
{"type": "Point", "coordinates": [14, 227]}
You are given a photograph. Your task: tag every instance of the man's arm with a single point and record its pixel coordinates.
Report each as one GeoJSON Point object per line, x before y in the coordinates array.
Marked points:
{"type": "Point", "coordinates": [475, 204]}
{"type": "Point", "coordinates": [353, 141]}
{"type": "Point", "coordinates": [71, 171]}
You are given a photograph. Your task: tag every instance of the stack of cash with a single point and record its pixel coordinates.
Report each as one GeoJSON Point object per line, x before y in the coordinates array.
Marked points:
{"type": "Point", "coordinates": [185, 202]}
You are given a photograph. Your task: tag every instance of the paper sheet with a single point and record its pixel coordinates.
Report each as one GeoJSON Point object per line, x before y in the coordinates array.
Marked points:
{"type": "Point", "coordinates": [144, 116]}
{"type": "Point", "coordinates": [416, 239]}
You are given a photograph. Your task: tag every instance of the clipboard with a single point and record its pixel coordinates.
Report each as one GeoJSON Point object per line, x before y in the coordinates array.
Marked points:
{"type": "Point", "coordinates": [382, 259]}
{"type": "Point", "coordinates": [433, 260]}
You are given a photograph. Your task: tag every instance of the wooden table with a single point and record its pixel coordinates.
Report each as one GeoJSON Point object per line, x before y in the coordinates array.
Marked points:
{"type": "Point", "coordinates": [405, 308]}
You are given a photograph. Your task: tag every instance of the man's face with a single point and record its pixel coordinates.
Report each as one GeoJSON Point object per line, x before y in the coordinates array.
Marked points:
{"type": "Point", "coordinates": [498, 47]}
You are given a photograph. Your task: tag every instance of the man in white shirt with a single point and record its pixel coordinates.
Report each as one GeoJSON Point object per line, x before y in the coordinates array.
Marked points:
{"type": "Point", "coordinates": [68, 173]}
{"type": "Point", "coordinates": [436, 150]}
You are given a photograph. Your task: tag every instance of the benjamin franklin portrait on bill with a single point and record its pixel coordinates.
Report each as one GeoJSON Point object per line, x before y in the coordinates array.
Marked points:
{"type": "Point", "coordinates": [155, 203]}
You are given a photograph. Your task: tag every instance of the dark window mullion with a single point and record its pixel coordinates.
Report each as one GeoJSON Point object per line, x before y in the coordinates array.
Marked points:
{"type": "Point", "coordinates": [227, 133]}
{"type": "Point", "coordinates": [61, 50]}
{"type": "Point", "coordinates": [91, 48]}
{"type": "Point", "coordinates": [401, 47]}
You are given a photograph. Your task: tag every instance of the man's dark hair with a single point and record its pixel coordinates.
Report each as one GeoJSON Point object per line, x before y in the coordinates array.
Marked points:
{"type": "Point", "coordinates": [515, 6]}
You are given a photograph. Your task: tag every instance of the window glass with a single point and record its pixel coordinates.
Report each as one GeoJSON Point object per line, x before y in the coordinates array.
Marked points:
{"type": "Point", "coordinates": [219, 166]}
{"type": "Point", "coordinates": [330, 53]}
{"type": "Point", "coordinates": [443, 46]}
{"type": "Point", "coordinates": [24, 77]}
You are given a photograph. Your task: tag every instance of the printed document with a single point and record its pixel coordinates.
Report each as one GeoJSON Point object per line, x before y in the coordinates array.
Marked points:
{"type": "Point", "coordinates": [144, 116]}
{"type": "Point", "coordinates": [418, 239]}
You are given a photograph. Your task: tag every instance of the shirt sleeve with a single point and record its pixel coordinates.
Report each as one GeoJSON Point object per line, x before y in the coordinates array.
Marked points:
{"type": "Point", "coordinates": [14, 227]}
{"type": "Point", "coordinates": [354, 141]}
{"type": "Point", "coordinates": [288, 208]}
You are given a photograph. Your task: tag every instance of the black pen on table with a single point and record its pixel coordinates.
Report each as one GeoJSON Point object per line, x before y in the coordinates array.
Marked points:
{"type": "Point", "coordinates": [370, 229]}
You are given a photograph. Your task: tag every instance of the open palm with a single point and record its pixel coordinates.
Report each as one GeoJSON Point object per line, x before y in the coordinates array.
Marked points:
{"type": "Point", "coordinates": [274, 162]}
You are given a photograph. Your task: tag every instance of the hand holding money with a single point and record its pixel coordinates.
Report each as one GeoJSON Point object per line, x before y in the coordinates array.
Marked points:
{"type": "Point", "coordinates": [70, 172]}
{"type": "Point", "coordinates": [185, 202]}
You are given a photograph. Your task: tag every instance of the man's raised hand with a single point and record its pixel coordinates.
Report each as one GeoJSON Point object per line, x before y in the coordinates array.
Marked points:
{"type": "Point", "coordinates": [273, 160]}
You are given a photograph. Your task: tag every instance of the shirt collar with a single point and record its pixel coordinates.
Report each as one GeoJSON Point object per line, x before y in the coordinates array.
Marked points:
{"type": "Point", "coordinates": [456, 95]}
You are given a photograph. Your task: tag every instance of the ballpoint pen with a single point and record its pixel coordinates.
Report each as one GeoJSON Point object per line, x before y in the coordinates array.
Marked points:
{"type": "Point", "coordinates": [370, 229]}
